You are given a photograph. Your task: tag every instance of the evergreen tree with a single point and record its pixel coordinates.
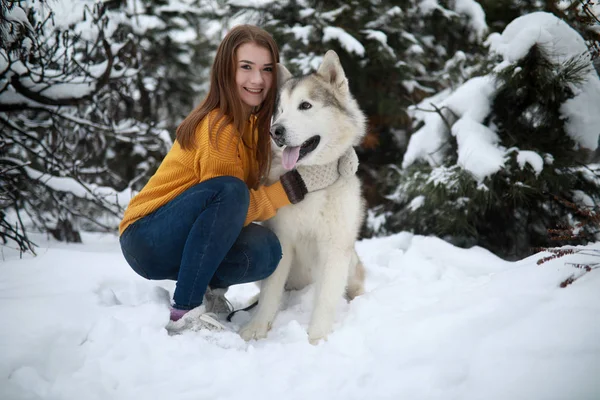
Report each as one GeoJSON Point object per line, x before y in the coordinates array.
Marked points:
{"type": "Point", "coordinates": [513, 147]}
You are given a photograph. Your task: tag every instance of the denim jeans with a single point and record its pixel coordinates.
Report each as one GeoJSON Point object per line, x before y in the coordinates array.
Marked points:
{"type": "Point", "coordinates": [198, 239]}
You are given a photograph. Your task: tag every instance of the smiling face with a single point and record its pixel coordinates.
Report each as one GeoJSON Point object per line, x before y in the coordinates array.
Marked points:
{"type": "Point", "coordinates": [254, 74]}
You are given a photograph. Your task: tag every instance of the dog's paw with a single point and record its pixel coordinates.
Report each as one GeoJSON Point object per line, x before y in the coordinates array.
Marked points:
{"type": "Point", "coordinates": [316, 341]}
{"type": "Point", "coordinates": [316, 334]}
{"type": "Point", "coordinates": [255, 330]}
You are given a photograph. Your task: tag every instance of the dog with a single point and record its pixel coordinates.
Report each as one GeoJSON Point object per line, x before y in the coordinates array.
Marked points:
{"type": "Point", "coordinates": [315, 122]}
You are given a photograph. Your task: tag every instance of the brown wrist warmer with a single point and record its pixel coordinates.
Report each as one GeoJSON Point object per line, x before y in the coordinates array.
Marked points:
{"type": "Point", "coordinates": [294, 186]}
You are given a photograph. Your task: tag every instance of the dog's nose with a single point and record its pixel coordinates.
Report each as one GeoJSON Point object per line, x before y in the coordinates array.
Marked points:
{"type": "Point", "coordinates": [277, 131]}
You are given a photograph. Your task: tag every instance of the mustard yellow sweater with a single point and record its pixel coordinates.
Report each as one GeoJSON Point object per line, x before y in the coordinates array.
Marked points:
{"type": "Point", "coordinates": [181, 169]}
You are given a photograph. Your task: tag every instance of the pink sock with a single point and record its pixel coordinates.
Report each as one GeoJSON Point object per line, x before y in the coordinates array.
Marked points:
{"type": "Point", "coordinates": [176, 314]}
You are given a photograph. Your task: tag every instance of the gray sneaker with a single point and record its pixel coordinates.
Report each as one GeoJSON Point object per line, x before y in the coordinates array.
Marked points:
{"type": "Point", "coordinates": [216, 302]}
{"type": "Point", "coordinates": [194, 320]}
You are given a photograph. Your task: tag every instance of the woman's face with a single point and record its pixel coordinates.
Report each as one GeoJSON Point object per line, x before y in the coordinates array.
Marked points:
{"type": "Point", "coordinates": [254, 74]}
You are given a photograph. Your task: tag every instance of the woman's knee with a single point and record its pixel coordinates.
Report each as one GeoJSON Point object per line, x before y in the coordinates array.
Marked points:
{"type": "Point", "coordinates": [232, 190]}
{"type": "Point", "coordinates": [142, 258]}
{"type": "Point", "coordinates": [232, 193]}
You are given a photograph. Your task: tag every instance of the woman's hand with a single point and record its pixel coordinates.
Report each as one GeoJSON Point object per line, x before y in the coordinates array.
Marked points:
{"type": "Point", "coordinates": [305, 179]}
{"type": "Point", "coordinates": [348, 163]}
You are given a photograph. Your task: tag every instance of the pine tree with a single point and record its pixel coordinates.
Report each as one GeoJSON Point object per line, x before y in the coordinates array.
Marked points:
{"type": "Point", "coordinates": [533, 128]}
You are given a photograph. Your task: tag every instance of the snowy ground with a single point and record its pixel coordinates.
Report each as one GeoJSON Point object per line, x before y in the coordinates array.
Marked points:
{"type": "Point", "coordinates": [437, 322]}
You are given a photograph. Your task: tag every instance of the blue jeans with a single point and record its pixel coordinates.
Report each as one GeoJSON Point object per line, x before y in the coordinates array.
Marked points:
{"type": "Point", "coordinates": [199, 239]}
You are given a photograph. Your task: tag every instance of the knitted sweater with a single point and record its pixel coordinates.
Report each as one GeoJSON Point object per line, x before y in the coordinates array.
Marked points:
{"type": "Point", "coordinates": [181, 169]}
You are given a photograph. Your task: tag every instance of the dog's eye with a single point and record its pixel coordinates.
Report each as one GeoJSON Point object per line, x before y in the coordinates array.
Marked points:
{"type": "Point", "coordinates": [304, 105]}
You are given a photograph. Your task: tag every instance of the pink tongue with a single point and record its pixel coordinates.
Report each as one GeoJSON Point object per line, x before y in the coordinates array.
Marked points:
{"type": "Point", "coordinates": [290, 157]}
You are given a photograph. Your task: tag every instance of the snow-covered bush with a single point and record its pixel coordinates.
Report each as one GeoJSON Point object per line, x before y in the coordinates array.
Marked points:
{"type": "Point", "coordinates": [495, 160]}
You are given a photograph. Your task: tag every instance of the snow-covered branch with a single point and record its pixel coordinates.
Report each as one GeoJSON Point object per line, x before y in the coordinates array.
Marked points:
{"type": "Point", "coordinates": [57, 93]}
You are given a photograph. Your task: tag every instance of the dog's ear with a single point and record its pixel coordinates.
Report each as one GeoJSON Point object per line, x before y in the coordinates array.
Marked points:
{"type": "Point", "coordinates": [283, 75]}
{"type": "Point", "coordinates": [331, 70]}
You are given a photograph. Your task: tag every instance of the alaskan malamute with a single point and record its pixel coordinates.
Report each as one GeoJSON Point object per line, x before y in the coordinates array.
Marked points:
{"type": "Point", "coordinates": [316, 121]}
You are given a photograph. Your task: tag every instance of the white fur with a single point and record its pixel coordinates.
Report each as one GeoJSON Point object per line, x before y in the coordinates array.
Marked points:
{"type": "Point", "coordinates": [318, 234]}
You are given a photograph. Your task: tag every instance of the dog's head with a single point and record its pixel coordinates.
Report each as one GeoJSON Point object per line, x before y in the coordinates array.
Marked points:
{"type": "Point", "coordinates": [316, 118]}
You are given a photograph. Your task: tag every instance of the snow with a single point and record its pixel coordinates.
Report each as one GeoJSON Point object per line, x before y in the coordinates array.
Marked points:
{"type": "Point", "coordinates": [445, 176]}
{"type": "Point", "coordinates": [436, 322]}
{"type": "Point", "coordinates": [17, 14]}
{"type": "Point", "coordinates": [308, 63]}
{"type": "Point", "coordinates": [472, 100]}
{"type": "Point", "coordinates": [581, 197]}
{"type": "Point", "coordinates": [142, 23]}
{"type": "Point", "coordinates": [250, 3]}
{"type": "Point", "coordinates": [381, 37]}
{"type": "Point", "coordinates": [375, 221]}
{"type": "Point", "coordinates": [476, 15]}
{"type": "Point", "coordinates": [10, 96]}
{"type": "Point", "coordinates": [469, 8]}
{"type": "Point", "coordinates": [306, 12]}
{"type": "Point", "coordinates": [89, 191]}
{"type": "Point", "coordinates": [428, 6]}
{"type": "Point", "coordinates": [347, 41]}
{"type": "Point", "coordinates": [3, 60]}
{"type": "Point", "coordinates": [415, 49]}
{"type": "Point", "coordinates": [416, 203]}
{"type": "Point", "coordinates": [581, 113]}
{"type": "Point", "coordinates": [67, 13]}
{"type": "Point", "coordinates": [183, 35]}
{"type": "Point", "coordinates": [301, 33]}
{"type": "Point", "coordinates": [331, 15]}
{"type": "Point", "coordinates": [478, 149]}
{"type": "Point", "coordinates": [532, 158]}
{"type": "Point", "coordinates": [559, 40]}
{"type": "Point", "coordinates": [69, 90]}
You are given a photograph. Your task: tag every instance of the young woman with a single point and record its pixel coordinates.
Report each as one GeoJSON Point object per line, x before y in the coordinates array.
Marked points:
{"type": "Point", "coordinates": [192, 222]}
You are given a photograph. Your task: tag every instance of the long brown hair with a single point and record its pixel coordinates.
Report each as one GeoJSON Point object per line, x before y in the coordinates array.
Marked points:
{"type": "Point", "coordinates": [223, 94]}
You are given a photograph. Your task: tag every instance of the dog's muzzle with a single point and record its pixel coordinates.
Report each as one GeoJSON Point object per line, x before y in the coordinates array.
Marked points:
{"type": "Point", "coordinates": [278, 134]}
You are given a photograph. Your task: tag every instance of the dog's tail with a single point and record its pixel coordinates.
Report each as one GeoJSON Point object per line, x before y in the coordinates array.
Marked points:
{"type": "Point", "coordinates": [253, 303]}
